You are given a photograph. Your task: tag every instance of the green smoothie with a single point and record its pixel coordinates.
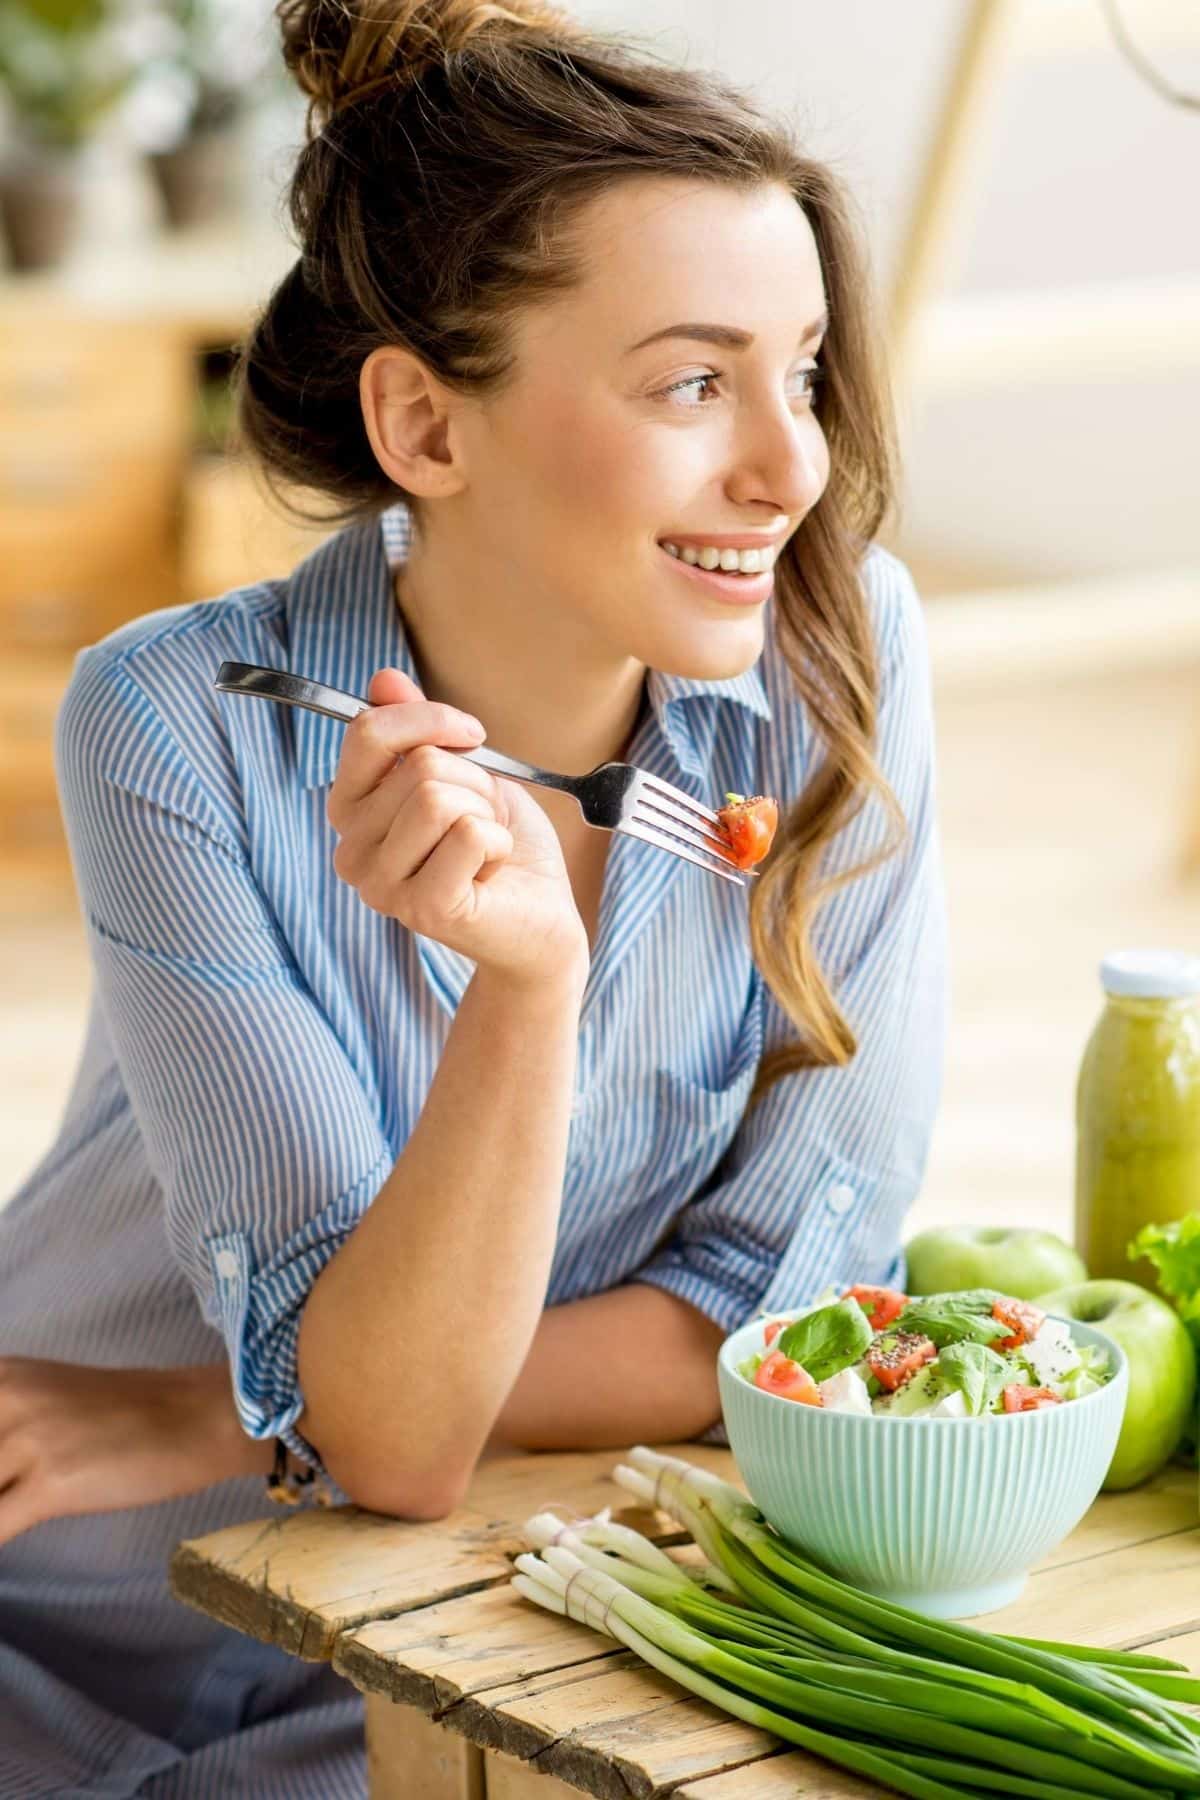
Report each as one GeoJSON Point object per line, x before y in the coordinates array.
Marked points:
{"type": "Point", "coordinates": [1138, 1109]}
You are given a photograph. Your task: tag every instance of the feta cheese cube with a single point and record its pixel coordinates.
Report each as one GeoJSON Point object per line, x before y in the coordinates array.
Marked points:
{"type": "Point", "coordinates": [845, 1392]}
{"type": "Point", "coordinates": [951, 1406]}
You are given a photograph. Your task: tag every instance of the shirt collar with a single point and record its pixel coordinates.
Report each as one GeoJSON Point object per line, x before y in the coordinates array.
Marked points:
{"type": "Point", "coordinates": [344, 624]}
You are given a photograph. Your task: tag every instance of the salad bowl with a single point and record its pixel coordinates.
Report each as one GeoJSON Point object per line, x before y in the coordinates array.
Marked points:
{"type": "Point", "coordinates": [944, 1514]}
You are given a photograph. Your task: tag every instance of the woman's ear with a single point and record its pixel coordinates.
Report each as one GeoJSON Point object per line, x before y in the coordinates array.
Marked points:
{"type": "Point", "coordinates": [408, 415]}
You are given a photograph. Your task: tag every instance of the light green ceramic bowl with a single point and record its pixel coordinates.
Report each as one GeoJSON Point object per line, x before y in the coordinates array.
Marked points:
{"type": "Point", "coordinates": [943, 1515]}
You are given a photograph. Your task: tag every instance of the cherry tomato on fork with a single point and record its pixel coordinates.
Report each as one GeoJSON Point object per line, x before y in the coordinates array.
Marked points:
{"type": "Point", "coordinates": [748, 826]}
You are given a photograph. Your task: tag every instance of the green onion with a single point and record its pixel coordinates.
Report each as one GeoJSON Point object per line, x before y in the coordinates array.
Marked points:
{"type": "Point", "coordinates": [1113, 1659]}
{"type": "Point", "coordinates": [597, 1600]}
{"type": "Point", "coordinates": [923, 1707]}
{"type": "Point", "coordinates": [782, 1580]}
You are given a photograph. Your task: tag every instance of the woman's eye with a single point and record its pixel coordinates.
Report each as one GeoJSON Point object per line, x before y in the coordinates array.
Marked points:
{"type": "Point", "coordinates": [809, 378]}
{"type": "Point", "coordinates": [697, 390]}
{"type": "Point", "coordinates": [691, 383]}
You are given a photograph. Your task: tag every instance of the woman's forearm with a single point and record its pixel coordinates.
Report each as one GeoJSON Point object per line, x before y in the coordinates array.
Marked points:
{"type": "Point", "coordinates": [632, 1365]}
{"type": "Point", "coordinates": [416, 1330]}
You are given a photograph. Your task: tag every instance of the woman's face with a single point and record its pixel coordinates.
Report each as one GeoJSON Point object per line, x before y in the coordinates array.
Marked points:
{"type": "Point", "coordinates": [625, 427]}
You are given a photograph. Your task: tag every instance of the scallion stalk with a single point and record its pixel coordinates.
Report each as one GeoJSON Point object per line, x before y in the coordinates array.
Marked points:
{"type": "Point", "coordinates": [766, 1569]}
{"type": "Point", "coordinates": [590, 1597]}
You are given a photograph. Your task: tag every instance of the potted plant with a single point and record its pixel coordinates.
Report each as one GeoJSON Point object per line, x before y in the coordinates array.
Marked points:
{"type": "Point", "coordinates": [212, 60]}
{"type": "Point", "coordinates": [63, 67]}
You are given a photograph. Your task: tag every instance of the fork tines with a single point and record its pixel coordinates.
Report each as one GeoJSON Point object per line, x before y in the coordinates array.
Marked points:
{"type": "Point", "coordinates": [674, 821]}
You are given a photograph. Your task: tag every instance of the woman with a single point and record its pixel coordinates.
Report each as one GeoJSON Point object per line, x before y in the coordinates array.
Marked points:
{"type": "Point", "coordinates": [418, 1114]}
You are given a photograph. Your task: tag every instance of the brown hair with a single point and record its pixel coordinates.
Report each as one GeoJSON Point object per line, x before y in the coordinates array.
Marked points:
{"type": "Point", "coordinates": [450, 145]}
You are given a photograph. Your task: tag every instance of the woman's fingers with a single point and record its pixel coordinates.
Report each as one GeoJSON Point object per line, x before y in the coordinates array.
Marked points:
{"type": "Point", "coordinates": [375, 739]}
{"type": "Point", "coordinates": [423, 771]}
{"type": "Point", "coordinates": [19, 1506]}
{"type": "Point", "coordinates": [444, 889]}
{"type": "Point", "coordinates": [20, 1509]}
{"type": "Point", "coordinates": [377, 856]}
{"type": "Point", "coordinates": [16, 1460]}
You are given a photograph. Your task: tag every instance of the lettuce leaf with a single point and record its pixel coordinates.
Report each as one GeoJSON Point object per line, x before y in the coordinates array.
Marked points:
{"type": "Point", "coordinates": [1175, 1252]}
{"type": "Point", "coordinates": [1086, 1376]}
{"type": "Point", "coordinates": [829, 1340]}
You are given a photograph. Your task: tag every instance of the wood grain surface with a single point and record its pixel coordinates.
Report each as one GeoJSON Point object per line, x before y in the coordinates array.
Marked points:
{"type": "Point", "coordinates": [420, 1617]}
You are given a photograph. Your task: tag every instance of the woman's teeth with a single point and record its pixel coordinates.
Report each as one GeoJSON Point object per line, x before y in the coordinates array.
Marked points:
{"type": "Point", "coordinates": [730, 562]}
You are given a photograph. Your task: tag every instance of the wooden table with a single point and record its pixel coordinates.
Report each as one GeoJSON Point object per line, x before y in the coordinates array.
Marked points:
{"type": "Point", "coordinates": [475, 1694]}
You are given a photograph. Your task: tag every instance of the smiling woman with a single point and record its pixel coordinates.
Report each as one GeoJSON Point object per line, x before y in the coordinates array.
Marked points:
{"type": "Point", "coordinates": [417, 1117]}
{"type": "Point", "coordinates": [622, 191]}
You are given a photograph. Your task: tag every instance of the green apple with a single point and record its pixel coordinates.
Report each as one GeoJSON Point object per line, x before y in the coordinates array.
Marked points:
{"type": "Point", "coordinates": [1162, 1369]}
{"type": "Point", "coordinates": [1020, 1263]}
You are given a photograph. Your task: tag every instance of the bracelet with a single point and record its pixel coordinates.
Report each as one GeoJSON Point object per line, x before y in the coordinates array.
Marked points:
{"type": "Point", "coordinates": [285, 1486]}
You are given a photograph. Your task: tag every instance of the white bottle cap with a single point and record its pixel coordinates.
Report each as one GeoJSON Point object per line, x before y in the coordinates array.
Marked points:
{"type": "Point", "coordinates": [1151, 974]}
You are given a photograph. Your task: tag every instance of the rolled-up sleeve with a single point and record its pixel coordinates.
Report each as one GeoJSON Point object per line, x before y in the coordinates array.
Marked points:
{"type": "Point", "coordinates": [816, 1183]}
{"type": "Point", "coordinates": [254, 1122]}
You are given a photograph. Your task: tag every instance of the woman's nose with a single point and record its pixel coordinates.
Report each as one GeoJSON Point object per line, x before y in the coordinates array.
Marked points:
{"type": "Point", "coordinates": [782, 460]}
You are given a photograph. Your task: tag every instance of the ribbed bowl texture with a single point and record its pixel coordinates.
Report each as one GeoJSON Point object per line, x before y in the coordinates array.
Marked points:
{"type": "Point", "coordinates": [944, 1515]}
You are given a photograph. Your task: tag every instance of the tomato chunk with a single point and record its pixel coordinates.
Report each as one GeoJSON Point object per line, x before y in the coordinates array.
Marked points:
{"type": "Point", "coordinates": [1018, 1397]}
{"type": "Point", "coordinates": [1023, 1320]}
{"type": "Point", "coordinates": [778, 1374]}
{"type": "Point", "coordinates": [748, 827]}
{"type": "Point", "coordinates": [881, 1304]}
{"type": "Point", "coordinates": [893, 1365]}
{"type": "Point", "coordinates": [771, 1330]}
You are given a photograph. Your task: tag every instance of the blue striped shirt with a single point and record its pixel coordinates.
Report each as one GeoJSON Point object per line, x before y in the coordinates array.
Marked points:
{"type": "Point", "coordinates": [261, 1044]}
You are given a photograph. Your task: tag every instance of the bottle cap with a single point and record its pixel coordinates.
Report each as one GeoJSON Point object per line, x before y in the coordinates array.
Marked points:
{"type": "Point", "coordinates": [1151, 974]}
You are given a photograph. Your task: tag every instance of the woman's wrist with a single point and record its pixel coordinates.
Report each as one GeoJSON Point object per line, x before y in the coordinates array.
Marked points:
{"type": "Point", "coordinates": [216, 1440]}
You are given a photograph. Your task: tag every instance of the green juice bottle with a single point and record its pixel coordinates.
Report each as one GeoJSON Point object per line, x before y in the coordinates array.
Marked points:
{"type": "Point", "coordinates": [1137, 1108]}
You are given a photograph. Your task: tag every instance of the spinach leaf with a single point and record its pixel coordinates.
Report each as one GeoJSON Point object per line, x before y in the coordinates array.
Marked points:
{"type": "Point", "coordinates": [828, 1340]}
{"type": "Point", "coordinates": [979, 1372]}
{"type": "Point", "coordinates": [953, 1318]}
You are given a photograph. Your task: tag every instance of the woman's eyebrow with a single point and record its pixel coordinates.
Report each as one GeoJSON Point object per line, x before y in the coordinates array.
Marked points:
{"type": "Point", "coordinates": [729, 337]}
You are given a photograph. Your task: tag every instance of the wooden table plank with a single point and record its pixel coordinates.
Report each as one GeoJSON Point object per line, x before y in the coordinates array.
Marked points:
{"type": "Point", "coordinates": [1126, 1598]}
{"type": "Point", "coordinates": [788, 1776]}
{"type": "Point", "coordinates": [439, 1655]}
{"type": "Point", "coordinates": [300, 1579]}
{"type": "Point", "coordinates": [621, 1731]}
{"type": "Point", "coordinates": [1163, 1505]}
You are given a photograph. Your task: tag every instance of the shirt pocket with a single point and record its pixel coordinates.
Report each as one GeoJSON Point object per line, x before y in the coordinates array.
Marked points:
{"type": "Point", "coordinates": [694, 1124]}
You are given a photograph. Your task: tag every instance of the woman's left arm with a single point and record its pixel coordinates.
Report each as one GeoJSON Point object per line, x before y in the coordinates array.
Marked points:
{"type": "Point", "coordinates": [632, 1365]}
{"type": "Point", "coordinates": [77, 1439]}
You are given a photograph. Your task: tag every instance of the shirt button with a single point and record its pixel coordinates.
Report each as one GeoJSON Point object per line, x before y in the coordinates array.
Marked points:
{"type": "Point", "coordinates": [226, 1264]}
{"type": "Point", "coordinates": [840, 1198]}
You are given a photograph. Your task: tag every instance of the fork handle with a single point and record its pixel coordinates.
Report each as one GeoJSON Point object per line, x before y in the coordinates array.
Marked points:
{"type": "Point", "coordinates": [287, 689]}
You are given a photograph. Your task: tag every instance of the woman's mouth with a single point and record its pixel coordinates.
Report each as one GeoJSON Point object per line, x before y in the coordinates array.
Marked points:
{"type": "Point", "coordinates": [743, 576]}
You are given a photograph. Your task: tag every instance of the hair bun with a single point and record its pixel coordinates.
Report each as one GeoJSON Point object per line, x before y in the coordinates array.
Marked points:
{"type": "Point", "coordinates": [339, 51]}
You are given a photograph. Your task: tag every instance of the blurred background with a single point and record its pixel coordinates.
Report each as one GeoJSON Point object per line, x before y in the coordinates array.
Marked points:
{"type": "Point", "coordinates": [1027, 170]}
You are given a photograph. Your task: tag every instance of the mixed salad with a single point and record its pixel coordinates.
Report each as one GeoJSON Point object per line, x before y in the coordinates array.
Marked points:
{"type": "Point", "coordinates": [940, 1356]}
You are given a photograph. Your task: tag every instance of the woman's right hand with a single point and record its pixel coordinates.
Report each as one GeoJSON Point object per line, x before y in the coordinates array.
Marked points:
{"type": "Point", "coordinates": [446, 847]}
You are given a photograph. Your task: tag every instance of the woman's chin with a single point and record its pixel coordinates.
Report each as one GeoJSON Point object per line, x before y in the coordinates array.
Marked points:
{"type": "Point", "coordinates": [720, 652]}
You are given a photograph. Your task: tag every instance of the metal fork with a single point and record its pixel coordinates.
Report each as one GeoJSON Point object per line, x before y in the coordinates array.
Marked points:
{"type": "Point", "coordinates": [615, 796]}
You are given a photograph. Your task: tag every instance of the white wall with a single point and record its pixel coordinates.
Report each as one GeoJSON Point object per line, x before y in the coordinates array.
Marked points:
{"type": "Point", "coordinates": [1084, 180]}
